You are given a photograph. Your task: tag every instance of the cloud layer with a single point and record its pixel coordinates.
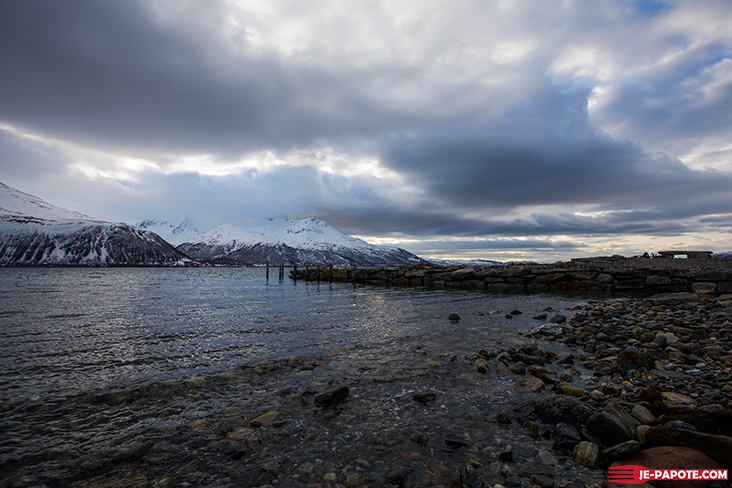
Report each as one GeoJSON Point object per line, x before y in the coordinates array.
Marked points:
{"type": "Point", "coordinates": [524, 125]}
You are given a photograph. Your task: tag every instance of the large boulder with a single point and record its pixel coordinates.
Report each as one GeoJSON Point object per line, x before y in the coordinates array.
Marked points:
{"type": "Point", "coordinates": [718, 447]}
{"type": "Point", "coordinates": [609, 429]}
{"type": "Point", "coordinates": [556, 409]}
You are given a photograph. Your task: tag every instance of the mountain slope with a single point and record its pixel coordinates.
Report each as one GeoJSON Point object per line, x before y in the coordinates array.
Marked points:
{"type": "Point", "coordinates": [175, 234]}
{"type": "Point", "coordinates": [35, 232]}
{"type": "Point", "coordinates": [291, 242]}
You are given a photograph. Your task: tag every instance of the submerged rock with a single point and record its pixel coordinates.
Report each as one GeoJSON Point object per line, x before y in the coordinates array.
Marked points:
{"type": "Point", "coordinates": [329, 399]}
{"type": "Point", "coordinates": [556, 409]}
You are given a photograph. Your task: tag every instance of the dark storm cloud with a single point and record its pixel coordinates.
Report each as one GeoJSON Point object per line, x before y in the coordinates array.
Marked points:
{"type": "Point", "coordinates": [473, 171]}
{"type": "Point", "coordinates": [106, 72]}
{"type": "Point", "coordinates": [492, 134]}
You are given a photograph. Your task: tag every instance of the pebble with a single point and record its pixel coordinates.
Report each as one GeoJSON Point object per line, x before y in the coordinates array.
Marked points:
{"type": "Point", "coordinates": [264, 419]}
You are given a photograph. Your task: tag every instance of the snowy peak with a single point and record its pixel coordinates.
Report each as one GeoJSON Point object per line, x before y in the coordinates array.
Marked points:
{"type": "Point", "coordinates": [35, 232]}
{"type": "Point", "coordinates": [298, 233]}
{"type": "Point", "coordinates": [174, 233]}
{"type": "Point", "coordinates": [307, 241]}
{"type": "Point", "coordinates": [17, 206]}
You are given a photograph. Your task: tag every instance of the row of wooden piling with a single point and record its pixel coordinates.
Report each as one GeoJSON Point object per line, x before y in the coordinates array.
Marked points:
{"type": "Point", "coordinates": [328, 270]}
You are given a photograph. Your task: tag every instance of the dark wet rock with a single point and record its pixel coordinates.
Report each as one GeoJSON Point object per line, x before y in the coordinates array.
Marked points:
{"type": "Point", "coordinates": [661, 340]}
{"type": "Point", "coordinates": [556, 409]}
{"type": "Point", "coordinates": [528, 359]}
{"type": "Point", "coordinates": [518, 368]}
{"type": "Point", "coordinates": [586, 453]}
{"type": "Point", "coordinates": [399, 476]}
{"type": "Point", "coordinates": [565, 359]}
{"type": "Point", "coordinates": [132, 451]}
{"type": "Point", "coordinates": [565, 437]}
{"type": "Point", "coordinates": [424, 398]}
{"type": "Point", "coordinates": [573, 391]}
{"type": "Point", "coordinates": [123, 477]}
{"type": "Point", "coordinates": [482, 365]}
{"type": "Point", "coordinates": [628, 421]}
{"type": "Point", "coordinates": [532, 383]}
{"type": "Point", "coordinates": [466, 477]}
{"type": "Point", "coordinates": [455, 444]}
{"type": "Point", "coordinates": [643, 415]}
{"type": "Point", "coordinates": [264, 419]}
{"type": "Point", "coordinates": [453, 317]}
{"type": "Point", "coordinates": [329, 399]}
{"type": "Point", "coordinates": [608, 429]}
{"type": "Point", "coordinates": [647, 337]}
{"type": "Point", "coordinates": [516, 312]}
{"type": "Point", "coordinates": [558, 319]}
{"type": "Point", "coordinates": [419, 437]}
{"type": "Point", "coordinates": [622, 450]}
{"type": "Point", "coordinates": [503, 418]}
{"type": "Point", "coordinates": [630, 353]}
{"type": "Point", "coordinates": [544, 374]}
{"type": "Point", "coordinates": [718, 447]}
{"type": "Point", "coordinates": [506, 454]}
{"type": "Point", "coordinates": [680, 424]}
{"type": "Point", "coordinates": [541, 316]}
{"type": "Point", "coordinates": [542, 481]}
{"type": "Point", "coordinates": [532, 428]}
{"type": "Point", "coordinates": [606, 367]}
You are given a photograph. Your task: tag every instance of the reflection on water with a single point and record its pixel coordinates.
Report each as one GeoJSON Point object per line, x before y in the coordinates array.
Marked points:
{"type": "Point", "coordinates": [152, 377]}
{"type": "Point", "coordinates": [69, 330]}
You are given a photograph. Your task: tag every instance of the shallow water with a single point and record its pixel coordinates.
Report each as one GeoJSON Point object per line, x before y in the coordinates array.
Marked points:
{"type": "Point", "coordinates": [68, 330]}
{"type": "Point", "coordinates": [95, 360]}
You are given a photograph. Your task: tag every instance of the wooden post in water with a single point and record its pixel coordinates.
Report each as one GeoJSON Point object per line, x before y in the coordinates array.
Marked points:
{"type": "Point", "coordinates": [294, 273]}
{"type": "Point", "coordinates": [307, 272]}
{"type": "Point", "coordinates": [267, 271]}
{"type": "Point", "coordinates": [318, 274]}
{"type": "Point", "coordinates": [331, 272]}
{"type": "Point", "coordinates": [282, 272]}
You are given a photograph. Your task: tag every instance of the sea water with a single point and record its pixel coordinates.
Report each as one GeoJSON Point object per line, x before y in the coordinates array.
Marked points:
{"type": "Point", "coordinates": [113, 375]}
{"type": "Point", "coordinates": [64, 330]}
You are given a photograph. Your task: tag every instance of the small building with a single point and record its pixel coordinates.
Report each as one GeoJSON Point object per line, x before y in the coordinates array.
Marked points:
{"type": "Point", "coordinates": [688, 254]}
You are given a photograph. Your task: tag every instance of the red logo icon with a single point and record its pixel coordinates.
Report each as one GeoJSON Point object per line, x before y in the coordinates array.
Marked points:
{"type": "Point", "coordinates": [633, 474]}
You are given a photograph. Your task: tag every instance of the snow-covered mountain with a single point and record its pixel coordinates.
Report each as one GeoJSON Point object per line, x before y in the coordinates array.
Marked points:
{"type": "Point", "coordinates": [173, 233]}
{"type": "Point", "coordinates": [34, 232]}
{"type": "Point", "coordinates": [291, 242]}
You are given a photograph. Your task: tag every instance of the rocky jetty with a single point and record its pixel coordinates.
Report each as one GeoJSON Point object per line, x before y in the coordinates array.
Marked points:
{"type": "Point", "coordinates": [617, 274]}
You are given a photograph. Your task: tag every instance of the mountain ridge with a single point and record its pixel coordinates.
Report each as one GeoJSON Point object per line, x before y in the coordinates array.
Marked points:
{"type": "Point", "coordinates": [291, 242]}
{"type": "Point", "coordinates": [34, 232]}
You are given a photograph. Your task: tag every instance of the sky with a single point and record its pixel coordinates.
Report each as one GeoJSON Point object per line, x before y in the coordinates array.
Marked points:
{"type": "Point", "coordinates": [498, 129]}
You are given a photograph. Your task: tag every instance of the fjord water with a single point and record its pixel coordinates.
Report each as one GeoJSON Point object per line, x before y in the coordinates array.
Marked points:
{"type": "Point", "coordinates": [70, 329]}
{"type": "Point", "coordinates": [66, 330]}
{"type": "Point", "coordinates": [115, 376]}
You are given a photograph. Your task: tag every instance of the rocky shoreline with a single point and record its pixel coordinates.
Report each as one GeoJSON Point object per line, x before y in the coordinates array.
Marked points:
{"type": "Point", "coordinates": [480, 403]}
{"type": "Point", "coordinates": [661, 391]}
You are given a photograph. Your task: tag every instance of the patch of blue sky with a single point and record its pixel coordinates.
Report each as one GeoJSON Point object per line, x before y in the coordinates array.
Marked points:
{"type": "Point", "coordinates": [651, 7]}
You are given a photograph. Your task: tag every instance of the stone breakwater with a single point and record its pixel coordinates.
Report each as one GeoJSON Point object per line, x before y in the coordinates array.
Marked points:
{"type": "Point", "coordinates": [702, 276]}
